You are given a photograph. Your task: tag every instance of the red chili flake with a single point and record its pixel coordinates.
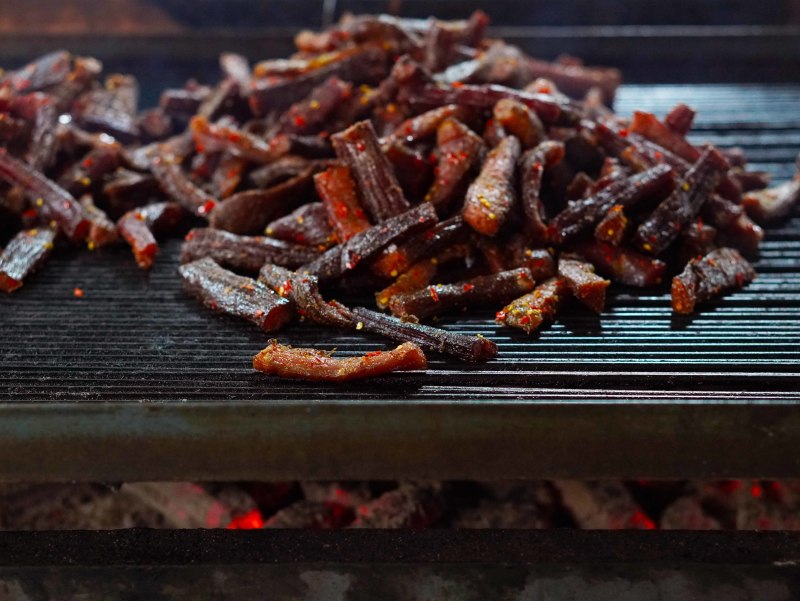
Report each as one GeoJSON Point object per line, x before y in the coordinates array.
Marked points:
{"type": "Point", "coordinates": [232, 172]}
{"type": "Point", "coordinates": [207, 207]}
{"type": "Point", "coordinates": [623, 132]}
{"type": "Point", "coordinates": [500, 316]}
{"type": "Point", "coordinates": [189, 236]}
{"type": "Point", "coordinates": [525, 319]}
{"type": "Point", "coordinates": [299, 121]}
{"type": "Point", "coordinates": [361, 147]}
{"type": "Point", "coordinates": [77, 293]}
{"type": "Point", "coordinates": [373, 353]}
{"type": "Point", "coordinates": [30, 214]}
{"type": "Point", "coordinates": [457, 84]}
{"type": "Point", "coordinates": [537, 166]}
{"type": "Point", "coordinates": [468, 287]}
{"type": "Point", "coordinates": [252, 520]}
{"type": "Point", "coordinates": [544, 90]}
{"type": "Point", "coordinates": [639, 518]}
{"type": "Point", "coordinates": [87, 162]}
{"type": "Point", "coordinates": [433, 293]}
{"type": "Point", "coordinates": [756, 491]}
{"type": "Point", "coordinates": [658, 155]}
{"type": "Point", "coordinates": [432, 157]}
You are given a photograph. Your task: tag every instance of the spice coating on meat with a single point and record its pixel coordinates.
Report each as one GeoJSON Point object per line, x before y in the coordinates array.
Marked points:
{"type": "Point", "coordinates": [530, 311]}
{"type": "Point", "coordinates": [459, 149]}
{"type": "Point", "coordinates": [26, 251]}
{"type": "Point", "coordinates": [584, 284]}
{"type": "Point", "coordinates": [491, 196]}
{"type": "Point", "coordinates": [621, 264]}
{"type": "Point", "coordinates": [336, 188]}
{"type": "Point", "coordinates": [703, 279]}
{"type": "Point", "coordinates": [531, 167]}
{"type": "Point", "coordinates": [140, 227]}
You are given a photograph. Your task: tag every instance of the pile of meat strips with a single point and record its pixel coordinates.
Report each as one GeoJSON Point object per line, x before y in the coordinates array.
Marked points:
{"type": "Point", "coordinates": [413, 159]}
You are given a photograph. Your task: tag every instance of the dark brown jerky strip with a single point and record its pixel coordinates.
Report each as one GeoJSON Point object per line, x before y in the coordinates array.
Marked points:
{"type": "Point", "coordinates": [519, 120]}
{"type": "Point", "coordinates": [479, 291]}
{"type": "Point", "coordinates": [612, 227]}
{"type": "Point", "coordinates": [750, 181]}
{"type": "Point", "coordinates": [102, 231]}
{"type": "Point", "coordinates": [424, 125]}
{"type": "Point", "coordinates": [621, 264]}
{"type": "Point", "coordinates": [126, 190]}
{"type": "Point", "coordinates": [583, 214]}
{"type": "Point", "coordinates": [243, 253]}
{"type": "Point", "coordinates": [585, 285]}
{"type": "Point", "coordinates": [182, 102]}
{"type": "Point", "coordinates": [310, 115]}
{"type": "Point", "coordinates": [743, 234]}
{"type": "Point", "coordinates": [414, 171]}
{"type": "Point", "coordinates": [359, 149]}
{"type": "Point", "coordinates": [250, 211]}
{"type": "Point", "coordinates": [395, 259]}
{"type": "Point", "coordinates": [365, 245]}
{"type": "Point", "coordinates": [47, 70]}
{"type": "Point", "coordinates": [490, 197]}
{"type": "Point", "coordinates": [12, 129]}
{"type": "Point", "coordinates": [39, 110]}
{"type": "Point", "coordinates": [720, 212]}
{"type": "Point", "coordinates": [177, 184]}
{"type": "Point", "coordinates": [337, 190]}
{"type": "Point", "coordinates": [154, 125]}
{"type": "Point", "coordinates": [576, 80]}
{"type": "Point", "coordinates": [88, 171]}
{"type": "Point", "coordinates": [303, 290]}
{"type": "Point", "coordinates": [466, 348]}
{"type": "Point", "coordinates": [26, 251]}
{"type": "Point", "coordinates": [278, 171]}
{"type": "Point", "coordinates": [773, 203]}
{"type": "Point", "coordinates": [531, 168]}
{"type": "Point", "coordinates": [459, 149]}
{"type": "Point", "coordinates": [680, 119]}
{"type": "Point", "coordinates": [141, 158]}
{"type": "Point", "coordinates": [111, 109]}
{"type": "Point", "coordinates": [530, 311]}
{"type": "Point", "coordinates": [140, 227]}
{"type": "Point", "coordinates": [663, 225]}
{"type": "Point", "coordinates": [83, 74]}
{"type": "Point", "coordinates": [696, 240]}
{"type": "Point", "coordinates": [222, 98]}
{"type": "Point", "coordinates": [53, 201]}
{"type": "Point", "coordinates": [219, 138]}
{"type": "Point", "coordinates": [444, 41]}
{"type": "Point", "coordinates": [306, 225]}
{"type": "Point", "coordinates": [225, 292]}
{"type": "Point", "coordinates": [493, 133]}
{"type": "Point", "coordinates": [415, 277]}
{"type": "Point", "coordinates": [228, 175]}
{"type": "Point", "coordinates": [720, 271]}
{"type": "Point", "coordinates": [539, 261]}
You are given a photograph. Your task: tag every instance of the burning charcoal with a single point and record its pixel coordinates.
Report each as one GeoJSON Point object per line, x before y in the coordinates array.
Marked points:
{"type": "Point", "coordinates": [140, 227]}
{"type": "Point", "coordinates": [491, 196]}
{"type": "Point", "coordinates": [217, 138]}
{"type": "Point", "coordinates": [303, 290]}
{"type": "Point", "coordinates": [309, 115]}
{"type": "Point", "coordinates": [250, 211]}
{"type": "Point", "coordinates": [426, 124]}
{"type": "Point", "coordinates": [47, 70]}
{"type": "Point", "coordinates": [502, 515]}
{"type": "Point", "coordinates": [466, 348]}
{"type": "Point", "coordinates": [102, 230]}
{"type": "Point", "coordinates": [519, 121]}
{"type": "Point", "coordinates": [479, 291]}
{"type": "Point", "coordinates": [111, 109]}
{"type": "Point", "coordinates": [86, 172]}
{"type": "Point", "coordinates": [703, 279]}
{"type": "Point", "coordinates": [673, 214]}
{"type": "Point", "coordinates": [338, 193]}
{"type": "Point", "coordinates": [584, 284]}
{"type": "Point", "coordinates": [244, 253]}
{"type": "Point", "coordinates": [680, 119]}
{"type": "Point", "coordinates": [178, 186]}
{"type": "Point", "coordinates": [409, 506]}
{"type": "Point", "coordinates": [531, 167]}
{"type": "Point", "coordinates": [365, 245]}
{"type": "Point", "coordinates": [225, 292]}
{"type": "Point", "coordinates": [54, 202]}
{"type": "Point", "coordinates": [758, 511]}
{"type": "Point", "coordinates": [310, 514]}
{"type": "Point", "coordinates": [358, 148]}
{"type": "Point", "coordinates": [528, 312]}
{"type": "Point", "coordinates": [182, 504]}
{"type": "Point", "coordinates": [773, 203]}
{"type": "Point", "coordinates": [459, 150]}
{"type": "Point", "coordinates": [307, 225]}
{"type": "Point", "coordinates": [611, 228]}
{"type": "Point", "coordinates": [346, 494]}
{"type": "Point", "coordinates": [621, 264]}
{"type": "Point", "coordinates": [687, 513]}
{"type": "Point", "coordinates": [417, 276]}
{"type": "Point", "coordinates": [580, 215]}
{"type": "Point", "coordinates": [602, 505]}
{"type": "Point", "coordinates": [23, 255]}
{"type": "Point", "coordinates": [316, 365]}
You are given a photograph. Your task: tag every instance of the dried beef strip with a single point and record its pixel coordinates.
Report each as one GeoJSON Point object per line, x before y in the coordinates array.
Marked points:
{"type": "Point", "coordinates": [111, 109]}
{"type": "Point", "coordinates": [585, 285]}
{"type": "Point", "coordinates": [612, 227]}
{"type": "Point", "coordinates": [466, 348]}
{"type": "Point", "coordinates": [381, 194]}
{"type": "Point", "coordinates": [680, 119]}
{"type": "Point", "coordinates": [87, 171]}
{"type": "Point", "coordinates": [337, 190]}
{"type": "Point", "coordinates": [520, 121]}
{"type": "Point", "coordinates": [491, 196]}
{"type": "Point", "coordinates": [709, 277]}
{"type": "Point", "coordinates": [177, 184]}
{"type": "Point", "coordinates": [23, 255]}
{"type": "Point", "coordinates": [425, 124]}
{"type": "Point", "coordinates": [225, 292]}
{"type": "Point", "coordinates": [41, 112]}
{"type": "Point", "coordinates": [773, 203]}
{"type": "Point", "coordinates": [306, 225]}
{"type": "Point", "coordinates": [539, 261]}
{"type": "Point", "coordinates": [243, 253]}
{"type": "Point", "coordinates": [530, 311]}
{"type": "Point", "coordinates": [47, 70]}
{"type": "Point", "coordinates": [497, 288]}
{"type": "Point", "coordinates": [312, 364]}
{"type": "Point", "coordinates": [415, 277]}
{"type": "Point", "coordinates": [531, 169]}
{"type": "Point", "coordinates": [211, 137]}
{"type": "Point", "coordinates": [102, 231]}
{"type": "Point", "coordinates": [140, 227]}
{"type": "Point", "coordinates": [310, 115]}
{"type": "Point", "coordinates": [622, 265]}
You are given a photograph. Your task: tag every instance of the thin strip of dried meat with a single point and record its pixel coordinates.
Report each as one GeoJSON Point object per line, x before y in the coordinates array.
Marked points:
{"type": "Point", "coordinates": [539, 261]}
{"type": "Point", "coordinates": [709, 277]}
{"type": "Point", "coordinates": [310, 115]}
{"type": "Point", "coordinates": [612, 227]}
{"type": "Point", "coordinates": [103, 231]}
{"type": "Point", "coordinates": [228, 175]}
{"type": "Point", "coordinates": [531, 169]}
{"type": "Point", "coordinates": [490, 197]}
{"type": "Point", "coordinates": [211, 137]}
{"type": "Point", "coordinates": [225, 292]}
{"type": "Point", "coordinates": [311, 364]}
{"type": "Point", "coordinates": [680, 119]}
{"type": "Point", "coordinates": [140, 227]}
{"type": "Point", "coordinates": [585, 285]}
{"type": "Point", "coordinates": [466, 348]}
{"type": "Point", "coordinates": [47, 70]}
{"type": "Point", "coordinates": [337, 190]}
{"type": "Point", "coordinates": [24, 254]}
{"type": "Point", "coordinates": [520, 121]}
{"type": "Point", "coordinates": [243, 253]}
{"type": "Point", "coordinates": [622, 265]}
{"type": "Point", "coordinates": [530, 311]}
{"type": "Point", "coordinates": [773, 203]}
{"type": "Point", "coordinates": [86, 172]}
{"type": "Point", "coordinates": [306, 225]}
{"type": "Point", "coordinates": [425, 124]}
{"type": "Point", "coordinates": [415, 277]}
{"type": "Point", "coordinates": [111, 109]}
{"type": "Point", "coordinates": [41, 112]}
{"type": "Point", "coordinates": [414, 170]}
{"type": "Point", "coordinates": [177, 184]}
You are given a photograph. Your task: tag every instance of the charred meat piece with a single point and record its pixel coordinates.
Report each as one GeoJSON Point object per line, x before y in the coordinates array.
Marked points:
{"type": "Point", "coordinates": [411, 506]}
{"type": "Point", "coordinates": [367, 244]}
{"type": "Point", "coordinates": [358, 148]}
{"type": "Point", "coordinates": [337, 190]}
{"type": "Point", "coordinates": [53, 202]}
{"type": "Point", "coordinates": [209, 137]}
{"type": "Point", "coordinates": [23, 255]}
{"type": "Point", "coordinates": [581, 215]}
{"type": "Point", "coordinates": [658, 231]}
{"type": "Point", "coordinates": [225, 292]}
{"type": "Point", "coordinates": [316, 365]}
{"type": "Point", "coordinates": [140, 227]}
{"type": "Point", "coordinates": [102, 230]}
{"type": "Point", "coordinates": [585, 285]}
{"type": "Point", "coordinates": [531, 168]}
{"type": "Point", "coordinates": [459, 149]}
{"type": "Point", "coordinates": [612, 227]}
{"type": "Point", "coordinates": [621, 264]}
{"type": "Point", "coordinates": [244, 253]}
{"type": "Point", "coordinates": [417, 276]}
{"type": "Point", "coordinates": [530, 311]}
{"type": "Point", "coordinates": [479, 291]}
{"type": "Point", "coordinates": [773, 203]}
{"type": "Point", "coordinates": [86, 172]}
{"type": "Point", "coordinates": [111, 109]}
{"type": "Point", "coordinates": [307, 225]}
{"type": "Point", "coordinates": [703, 279]}
{"type": "Point", "coordinates": [520, 121]}
{"type": "Point", "coordinates": [466, 348]}
{"type": "Point", "coordinates": [310, 115]}
{"type": "Point", "coordinates": [177, 184]}
{"type": "Point", "coordinates": [303, 290]}
{"type": "Point", "coordinates": [491, 196]}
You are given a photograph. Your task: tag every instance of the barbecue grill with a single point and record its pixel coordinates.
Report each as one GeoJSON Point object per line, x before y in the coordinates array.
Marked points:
{"type": "Point", "coordinates": [134, 382]}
